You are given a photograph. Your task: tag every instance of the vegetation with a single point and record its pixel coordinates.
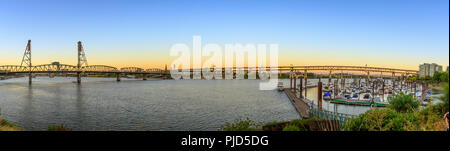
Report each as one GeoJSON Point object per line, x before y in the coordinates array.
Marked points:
{"type": "Point", "coordinates": [382, 120]}
{"type": "Point", "coordinates": [61, 127]}
{"type": "Point", "coordinates": [390, 120]}
{"type": "Point", "coordinates": [303, 124]}
{"type": "Point", "coordinates": [242, 125]}
{"type": "Point", "coordinates": [439, 77]}
{"type": "Point", "coordinates": [7, 126]}
{"type": "Point", "coordinates": [402, 115]}
{"type": "Point", "coordinates": [403, 103]}
{"type": "Point", "coordinates": [248, 125]}
{"type": "Point", "coordinates": [444, 98]}
{"type": "Point", "coordinates": [272, 123]}
{"type": "Point", "coordinates": [291, 128]}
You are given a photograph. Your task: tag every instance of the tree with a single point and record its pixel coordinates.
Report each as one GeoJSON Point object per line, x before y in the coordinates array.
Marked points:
{"type": "Point", "coordinates": [436, 77]}
{"type": "Point", "coordinates": [444, 97]}
{"type": "Point", "coordinates": [403, 103]}
{"type": "Point", "coordinates": [440, 77]}
{"type": "Point", "coordinates": [444, 77]}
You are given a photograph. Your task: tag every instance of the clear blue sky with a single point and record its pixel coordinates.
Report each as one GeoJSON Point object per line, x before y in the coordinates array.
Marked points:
{"type": "Point", "coordinates": [139, 31]}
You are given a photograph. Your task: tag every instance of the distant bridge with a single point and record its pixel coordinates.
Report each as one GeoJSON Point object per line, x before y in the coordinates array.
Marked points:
{"type": "Point", "coordinates": [350, 68]}
{"type": "Point", "coordinates": [63, 68]}
{"type": "Point", "coordinates": [26, 67]}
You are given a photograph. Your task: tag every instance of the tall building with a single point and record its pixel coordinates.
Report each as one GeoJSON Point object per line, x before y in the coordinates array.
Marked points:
{"type": "Point", "coordinates": [427, 69]}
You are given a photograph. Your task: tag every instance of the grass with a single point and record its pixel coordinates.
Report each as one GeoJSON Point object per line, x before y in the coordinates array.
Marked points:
{"type": "Point", "coordinates": [7, 126]}
{"type": "Point", "coordinates": [242, 125]}
{"type": "Point", "coordinates": [291, 128]}
{"type": "Point", "coordinates": [248, 125]}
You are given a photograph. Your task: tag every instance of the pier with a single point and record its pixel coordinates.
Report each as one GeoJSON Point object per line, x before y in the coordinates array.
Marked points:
{"type": "Point", "coordinates": [301, 105]}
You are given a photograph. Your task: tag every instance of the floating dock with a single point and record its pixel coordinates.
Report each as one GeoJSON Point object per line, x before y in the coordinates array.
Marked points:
{"type": "Point", "coordinates": [301, 105]}
{"type": "Point", "coordinates": [359, 103]}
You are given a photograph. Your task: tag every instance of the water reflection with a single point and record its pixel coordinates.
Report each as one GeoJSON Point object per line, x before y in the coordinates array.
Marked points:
{"type": "Point", "coordinates": [104, 104]}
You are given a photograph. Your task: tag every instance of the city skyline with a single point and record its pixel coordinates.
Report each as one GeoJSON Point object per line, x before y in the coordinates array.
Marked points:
{"type": "Point", "coordinates": [400, 34]}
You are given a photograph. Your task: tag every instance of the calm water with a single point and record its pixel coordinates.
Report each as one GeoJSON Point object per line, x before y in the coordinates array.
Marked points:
{"type": "Point", "coordinates": [104, 104]}
{"type": "Point", "coordinates": [312, 95]}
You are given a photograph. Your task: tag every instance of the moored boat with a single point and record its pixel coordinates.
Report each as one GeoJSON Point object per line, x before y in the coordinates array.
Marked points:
{"type": "Point", "coordinates": [327, 96]}
{"type": "Point", "coordinates": [280, 86]}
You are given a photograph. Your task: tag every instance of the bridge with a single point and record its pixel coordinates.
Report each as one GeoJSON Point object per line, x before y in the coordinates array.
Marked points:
{"type": "Point", "coordinates": [82, 67]}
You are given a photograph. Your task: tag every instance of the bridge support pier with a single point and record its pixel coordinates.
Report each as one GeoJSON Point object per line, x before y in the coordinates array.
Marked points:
{"type": "Point", "coordinates": [30, 78]}
{"type": "Point", "coordinates": [78, 77]}
{"type": "Point", "coordinates": [117, 77]}
{"type": "Point", "coordinates": [144, 77]}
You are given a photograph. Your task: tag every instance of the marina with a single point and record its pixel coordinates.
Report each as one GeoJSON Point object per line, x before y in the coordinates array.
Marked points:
{"type": "Point", "coordinates": [360, 90]}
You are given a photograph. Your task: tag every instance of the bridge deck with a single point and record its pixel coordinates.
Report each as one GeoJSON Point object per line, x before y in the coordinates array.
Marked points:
{"type": "Point", "coordinates": [121, 72]}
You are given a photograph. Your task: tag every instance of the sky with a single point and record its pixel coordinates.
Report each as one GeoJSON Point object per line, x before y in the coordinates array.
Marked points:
{"type": "Point", "coordinates": [381, 33]}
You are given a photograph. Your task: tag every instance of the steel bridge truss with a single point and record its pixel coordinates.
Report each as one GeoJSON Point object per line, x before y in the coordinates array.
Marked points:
{"type": "Point", "coordinates": [64, 68]}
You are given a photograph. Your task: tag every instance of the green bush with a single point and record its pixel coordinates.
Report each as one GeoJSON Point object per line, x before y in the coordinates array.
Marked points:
{"type": "Point", "coordinates": [242, 125]}
{"type": "Point", "coordinates": [272, 123]}
{"type": "Point", "coordinates": [440, 77]}
{"type": "Point", "coordinates": [303, 124]}
{"type": "Point", "coordinates": [403, 103]}
{"type": "Point", "coordinates": [383, 120]}
{"type": "Point", "coordinates": [291, 128]}
{"type": "Point", "coordinates": [445, 97]}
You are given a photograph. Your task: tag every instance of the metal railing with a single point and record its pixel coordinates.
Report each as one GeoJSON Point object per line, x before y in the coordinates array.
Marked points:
{"type": "Point", "coordinates": [314, 111]}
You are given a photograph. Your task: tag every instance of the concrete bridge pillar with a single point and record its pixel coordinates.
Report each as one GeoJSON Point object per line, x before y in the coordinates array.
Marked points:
{"type": "Point", "coordinates": [78, 77]}
{"type": "Point", "coordinates": [118, 76]}
{"type": "Point", "coordinates": [30, 78]}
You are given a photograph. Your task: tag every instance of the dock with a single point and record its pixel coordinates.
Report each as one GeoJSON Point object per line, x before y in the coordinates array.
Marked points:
{"type": "Point", "coordinates": [301, 105]}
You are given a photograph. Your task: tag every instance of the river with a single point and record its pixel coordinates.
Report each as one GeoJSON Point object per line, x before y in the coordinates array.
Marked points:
{"type": "Point", "coordinates": [133, 104]}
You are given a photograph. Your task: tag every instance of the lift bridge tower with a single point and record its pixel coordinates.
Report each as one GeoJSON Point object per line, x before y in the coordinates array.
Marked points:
{"type": "Point", "coordinates": [26, 60]}
{"type": "Point", "coordinates": [82, 61]}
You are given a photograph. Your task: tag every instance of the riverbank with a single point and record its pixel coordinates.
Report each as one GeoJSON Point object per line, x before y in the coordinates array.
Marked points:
{"type": "Point", "coordinates": [7, 126]}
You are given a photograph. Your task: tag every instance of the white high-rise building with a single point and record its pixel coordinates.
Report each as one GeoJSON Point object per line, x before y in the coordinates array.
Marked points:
{"type": "Point", "coordinates": [427, 69]}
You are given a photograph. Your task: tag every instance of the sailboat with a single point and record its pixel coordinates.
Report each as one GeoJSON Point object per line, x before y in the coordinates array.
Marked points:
{"type": "Point", "coordinates": [327, 96]}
